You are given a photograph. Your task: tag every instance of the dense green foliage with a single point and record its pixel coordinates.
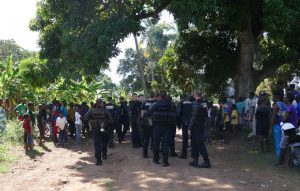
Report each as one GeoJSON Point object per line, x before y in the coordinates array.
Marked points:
{"type": "Point", "coordinates": [39, 81]}
{"type": "Point", "coordinates": [10, 48]}
{"type": "Point", "coordinates": [83, 34]}
{"type": "Point", "coordinates": [245, 41]}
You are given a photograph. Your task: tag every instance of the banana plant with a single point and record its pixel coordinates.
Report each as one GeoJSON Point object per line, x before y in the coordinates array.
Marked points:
{"type": "Point", "coordinates": [11, 84]}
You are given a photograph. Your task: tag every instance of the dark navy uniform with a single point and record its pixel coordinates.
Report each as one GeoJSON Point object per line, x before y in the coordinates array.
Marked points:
{"type": "Point", "coordinates": [164, 117]}
{"type": "Point", "coordinates": [147, 125]}
{"type": "Point", "coordinates": [198, 137]}
{"type": "Point", "coordinates": [113, 110]}
{"type": "Point", "coordinates": [185, 115]}
{"type": "Point", "coordinates": [123, 119]}
{"type": "Point", "coordinates": [134, 111]}
{"type": "Point", "coordinates": [85, 125]}
{"type": "Point", "coordinates": [99, 119]}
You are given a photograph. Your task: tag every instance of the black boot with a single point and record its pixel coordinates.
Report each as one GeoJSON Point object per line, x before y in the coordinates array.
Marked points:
{"type": "Point", "coordinates": [111, 144]}
{"type": "Point", "coordinates": [183, 156]}
{"type": "Point", "coordinates": [165, 164]}
{"type": "Point", "coordinates": [99, 163]}
{"type": "Point", "coordinates": [104, 156]}
{"type": "Point", "coordinates": [205, 164]}
{"type": "Point", "coordinates": [155, 161]}
{"type": "Point", "coordinates": [145, 154]}
{"type": "Point", "coordinates": [173, 154]}
{"type": "Point", "coordinates": [194, 163]}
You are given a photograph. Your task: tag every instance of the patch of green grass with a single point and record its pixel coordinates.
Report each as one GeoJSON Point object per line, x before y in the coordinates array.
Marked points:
{"type": "Point", "coordinates": [6, 158]}
{"type": "Point", "coordinates": [13, 136]}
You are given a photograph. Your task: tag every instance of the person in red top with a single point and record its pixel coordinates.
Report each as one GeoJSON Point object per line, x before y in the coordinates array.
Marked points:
{"type": "Point", "coordinates": [28, 141]}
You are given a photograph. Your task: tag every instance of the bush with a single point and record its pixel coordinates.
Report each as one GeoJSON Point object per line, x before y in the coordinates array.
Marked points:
{"type": "Point", "coordinates": [13, 134]}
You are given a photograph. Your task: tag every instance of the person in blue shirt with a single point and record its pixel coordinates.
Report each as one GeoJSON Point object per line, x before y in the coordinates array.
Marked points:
{"type": "Point", "coordinates": [63, 109]}
{"type": "Point", "coordinates": [240, 105]}
{"type": "Point", "coordinates": [279, 110]}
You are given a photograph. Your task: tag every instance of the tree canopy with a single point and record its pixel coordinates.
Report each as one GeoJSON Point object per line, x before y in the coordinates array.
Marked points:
{"type": "Point", "coordinates": [245, 41]}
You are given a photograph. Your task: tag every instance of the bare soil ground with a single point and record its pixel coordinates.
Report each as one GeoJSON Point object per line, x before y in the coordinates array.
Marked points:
{"type": "Point", "coordinates": [237, 166]}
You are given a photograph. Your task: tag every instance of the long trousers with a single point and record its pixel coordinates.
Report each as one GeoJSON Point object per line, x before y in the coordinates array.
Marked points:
{"type": "Point", "coordinates": [100, 144]}
{"type": "Point", "coordinates": [147, 137]}
{"type": "Point", "coordinates": [163, 133]}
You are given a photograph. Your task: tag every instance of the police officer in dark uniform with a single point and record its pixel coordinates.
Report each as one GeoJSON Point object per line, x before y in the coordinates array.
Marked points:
{"type": "Point", "coordinates": [185, 114]}
{"type": "Point", "coordinates": [173, 130]}
{"type": "Point", "coordinates": [164, 117]}
{"type": "Point", "coordinates": [113, 110]}
{"type": "Point", "coordinates": [147, 124]}
{"type": "Point", "coordinates": [134, 113]}
{"type": "Point", "coordinates": [197, 127]}
{"type": "Point", "coordinates": [99, 119]}
{"type": "Point", "coordinates": [85, 125]}
{"type": "Point", "coordinates": [123, 119]}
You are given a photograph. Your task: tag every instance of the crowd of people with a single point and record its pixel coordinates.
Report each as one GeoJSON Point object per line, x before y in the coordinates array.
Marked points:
{"type": "Point", "coordinates": [153, 122]}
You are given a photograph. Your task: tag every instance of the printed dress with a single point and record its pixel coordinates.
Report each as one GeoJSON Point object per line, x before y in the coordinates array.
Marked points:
{"type": "Point", "coordinates": [2, 119]}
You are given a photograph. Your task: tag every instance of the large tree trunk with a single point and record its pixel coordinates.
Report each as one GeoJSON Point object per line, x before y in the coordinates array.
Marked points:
{"type": "Point", "coordinates": [245, 79]}
{"type": "Point", "coordinates": [140, 66]}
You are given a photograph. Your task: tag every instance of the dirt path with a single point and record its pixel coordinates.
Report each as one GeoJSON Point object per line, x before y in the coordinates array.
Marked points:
{"type": "Point", "coordinates": [235, 167]}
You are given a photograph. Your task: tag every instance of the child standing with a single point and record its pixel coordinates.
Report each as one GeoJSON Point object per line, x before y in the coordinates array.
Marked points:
{"type": "Point", "coordinates": [61, 124]}
{"type": "Point", "coordinates": [54, 116]}
{"type": "Point", "coordinates": [28, 141]}
{"type": "Point", "coordinates": [234, 120]}
{"type": "Point", "coordinates": [78, 124]}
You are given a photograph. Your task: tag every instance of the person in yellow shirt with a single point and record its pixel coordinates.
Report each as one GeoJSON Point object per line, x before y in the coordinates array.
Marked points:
{"type": "Point", "coordinates": [71, 119]}
{"type": "Point", "coordinates": [234, 120]}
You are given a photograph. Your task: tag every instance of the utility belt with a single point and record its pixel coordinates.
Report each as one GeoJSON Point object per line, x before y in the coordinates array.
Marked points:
{"type": "Point", "coordinates": [147, 121]}
{"type": "Point", "coordinates": [167, 118]}
{"type": "Point", "coordinates": [99, 125]}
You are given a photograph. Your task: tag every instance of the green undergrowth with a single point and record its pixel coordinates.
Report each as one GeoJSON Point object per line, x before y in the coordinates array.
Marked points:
{"type": "Point", "coordinates": [10, 138]}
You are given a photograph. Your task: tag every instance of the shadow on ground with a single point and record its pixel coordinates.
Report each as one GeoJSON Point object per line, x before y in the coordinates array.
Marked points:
{"type": "Point", "coordinates": [238, 166]}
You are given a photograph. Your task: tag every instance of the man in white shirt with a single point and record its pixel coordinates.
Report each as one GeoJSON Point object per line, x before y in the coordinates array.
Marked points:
{"type": "Point", "coordinates": [78, 124]}
{"type": "Point", "coordinates": [61, 123]}
{"type": "Point", "coordinates": [251, 103]}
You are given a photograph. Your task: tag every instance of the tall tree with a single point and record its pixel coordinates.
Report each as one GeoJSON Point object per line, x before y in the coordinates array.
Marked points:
{"type": "Point", "coordinates": [129, 68]}
{"type": "Point", "coordinates": [140, 65]}
{"type": "Point", "coordinates": [156, 40]}
{"type": "Point", "coordinates": [11, 48]}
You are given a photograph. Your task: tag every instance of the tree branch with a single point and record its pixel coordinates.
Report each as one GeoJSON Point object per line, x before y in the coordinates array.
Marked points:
{"type": "Point", "coordinates": [269, 69]}
{"type": "Point", "coordinates": [145, 14]}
